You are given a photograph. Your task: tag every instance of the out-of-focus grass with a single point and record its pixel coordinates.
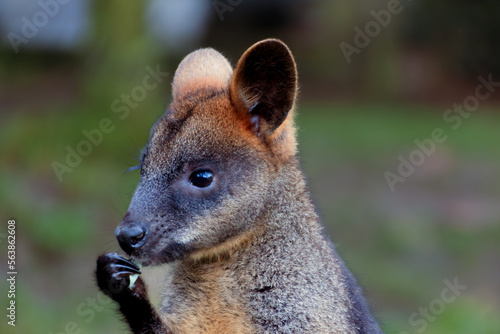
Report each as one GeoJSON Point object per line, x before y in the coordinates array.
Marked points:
{"type": "Point", "coordinates": [401, 245]}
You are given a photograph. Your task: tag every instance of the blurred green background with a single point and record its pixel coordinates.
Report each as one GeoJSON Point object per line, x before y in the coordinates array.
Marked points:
{"type": "Point", "coordinates": [67, 65]}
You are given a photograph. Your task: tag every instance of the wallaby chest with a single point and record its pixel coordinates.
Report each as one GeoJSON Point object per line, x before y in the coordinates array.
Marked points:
{"type": "Point", "coordinates": [205, 298]}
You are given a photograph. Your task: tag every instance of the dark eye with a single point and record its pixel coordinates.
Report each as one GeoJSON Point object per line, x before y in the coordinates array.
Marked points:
{"type": "Point", "coordinates": [201, 178]}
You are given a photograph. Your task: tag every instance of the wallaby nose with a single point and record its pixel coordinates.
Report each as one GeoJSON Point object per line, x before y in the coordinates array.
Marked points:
{"type": "Point", "coordinates": [130, 237]}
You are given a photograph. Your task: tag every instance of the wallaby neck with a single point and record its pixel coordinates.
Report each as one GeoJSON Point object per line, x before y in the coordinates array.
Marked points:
{"type": "Point", "coordinates": [289, 203]}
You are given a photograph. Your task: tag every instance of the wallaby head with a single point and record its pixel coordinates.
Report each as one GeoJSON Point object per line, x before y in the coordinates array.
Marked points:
{"type": "Point", "coordinates": [213, 157]}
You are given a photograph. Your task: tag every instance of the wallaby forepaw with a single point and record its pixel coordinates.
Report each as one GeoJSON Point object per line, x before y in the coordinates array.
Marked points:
{"type": "Point", "coordinates": [113, 274]}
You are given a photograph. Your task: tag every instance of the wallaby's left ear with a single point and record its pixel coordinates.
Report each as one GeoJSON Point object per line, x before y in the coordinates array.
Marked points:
{"type": "Point", "coordinates": [264, 84]}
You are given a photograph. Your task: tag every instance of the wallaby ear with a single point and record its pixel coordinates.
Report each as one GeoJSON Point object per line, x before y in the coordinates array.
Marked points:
{"type": "Point", "coordinates": [201, 69]}
{"type": "Point", "coordinates": [264, 84]}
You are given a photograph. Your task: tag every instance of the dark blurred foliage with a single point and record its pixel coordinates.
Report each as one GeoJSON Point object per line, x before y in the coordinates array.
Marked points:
{"type": "Point", "coordinates": [464, 34]}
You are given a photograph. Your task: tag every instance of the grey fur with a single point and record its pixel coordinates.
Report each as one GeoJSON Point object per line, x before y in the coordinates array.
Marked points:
{"type": "Point", "coordinates": [247, 253]}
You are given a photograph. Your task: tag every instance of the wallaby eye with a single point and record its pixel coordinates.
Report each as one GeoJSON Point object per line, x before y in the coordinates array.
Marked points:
{"type": "Point", "coordinates": [201, 178]}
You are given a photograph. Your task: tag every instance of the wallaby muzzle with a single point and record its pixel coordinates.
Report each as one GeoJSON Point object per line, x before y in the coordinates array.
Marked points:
{"type": "Point", "coordinates": [130, 236]}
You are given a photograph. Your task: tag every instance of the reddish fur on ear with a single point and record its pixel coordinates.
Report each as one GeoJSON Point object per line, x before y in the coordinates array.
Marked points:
{"type": "Point", "coordinates": [201, 69]}
{"type": "Point", "coordinates": [264, 84]}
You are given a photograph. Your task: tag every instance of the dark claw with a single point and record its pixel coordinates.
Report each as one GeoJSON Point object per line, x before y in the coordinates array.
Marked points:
{"type": "Point", "coordinates": [127, 269]}
{"type": "Point", "coordinates": [121, 274]}
{"type": "Point", "coordinates": [118, 275]}
{"type": "Point", "coordinates": [120, 260]}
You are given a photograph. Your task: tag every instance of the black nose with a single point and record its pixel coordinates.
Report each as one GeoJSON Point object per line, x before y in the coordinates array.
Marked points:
{"type": "Point", "coordinates": [130, 237]}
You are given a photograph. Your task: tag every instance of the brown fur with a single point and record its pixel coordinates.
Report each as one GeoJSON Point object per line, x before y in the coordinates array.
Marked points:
{"type": "Point", "coordinates": [247, 254]}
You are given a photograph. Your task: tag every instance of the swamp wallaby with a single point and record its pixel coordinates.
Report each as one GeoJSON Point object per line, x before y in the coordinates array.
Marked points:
{"type": "Point", "coordinates": [223, 201]}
